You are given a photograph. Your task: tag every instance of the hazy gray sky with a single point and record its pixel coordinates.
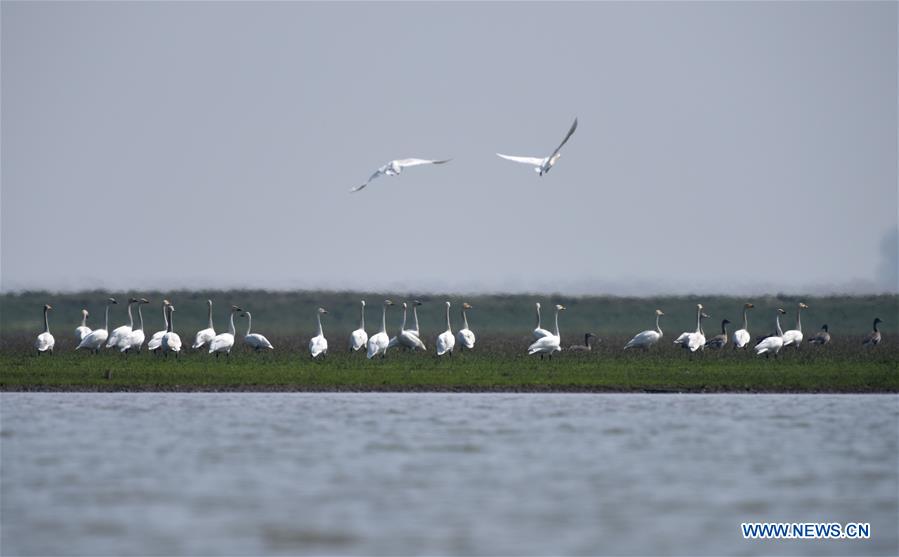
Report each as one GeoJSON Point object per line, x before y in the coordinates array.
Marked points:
{"type": "Point", "coordinates": [722, 147]}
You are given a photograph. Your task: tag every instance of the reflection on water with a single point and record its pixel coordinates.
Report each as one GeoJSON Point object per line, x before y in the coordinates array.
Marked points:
{"type": "Point", "coordinates": [241, 474]}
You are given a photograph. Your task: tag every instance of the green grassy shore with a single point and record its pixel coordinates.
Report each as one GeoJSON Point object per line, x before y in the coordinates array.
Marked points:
{"type": "Point", "coordinates": [499, 364]}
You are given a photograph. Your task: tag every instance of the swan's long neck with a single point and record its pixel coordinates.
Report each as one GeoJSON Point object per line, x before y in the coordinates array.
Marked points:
{"type": "Point", "coordinates": [538, 317]}
{"type": "Point", "coordinates": [415, 316]}
{"type": "Point", "coordinates": [107, 317]}
{"type": "Point", "coordinates": [362, 321]}
{"type": "Point", "coordinates": [318, 316]}
{"type": "Point", "coordinates": [658, 329]}
{"type": "Point", "coordinates": [384, 319]}
{"type": "Point", "coordinates": [799, 319]}
{"type": "Point", "coordinates": [233, 330]}
{"type": "Point", "coordinates": [171, 323]}
{"type": "Point", "coordinates": [84, 320]}
{"type": "Point", "coordinates": [210, 316]}
{"type": "Point", "coordinates": [140, 317]}
{"type": "Point", "coordinates": [130, 318]}
{"type": "Point", "coordinates": [403, 326]}
{"type": "Point", "coordinates": [465, 317]}
{"type": "Point", "coordinates": [448, 326]}
{"type": "Point", "coordinates": [46, 322]}
{"type": "Point", "coordinates": [557, 323]}
{"type": "Point", "coordinates": [698, 320]}
{"type": "Point", "coordinates": [780, 331]}
{"type": "Point", "coordinates": [249, 322]}
{"type": "Point", "coordinates": [745, 319]}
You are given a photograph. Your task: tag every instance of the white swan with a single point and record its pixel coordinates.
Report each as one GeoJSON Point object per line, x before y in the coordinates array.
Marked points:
{"type": "Point", "coordinates": [120, 334]}
{"type": "Point", "coordinates": [548, 344]}
{"type": "Point", "coordinates": [408, 338]}
{"type": "Point", "coordinates": [223, 342]}
{"type": "Point", "coordinates": [695, 340]}
{"type": "Point", "coordinates": [378, 343]}
{"type": "Point", "coordinates": [543, 165]}
{"type": "Point", "coordinates": [256, 341]}
{"type": "Point", "coordinates": [540, 332]}
{"type": "Point", "coordinates": [793, 337]}
{"type": "Point", "coordinates": [135, 340]}
{"type": "Point", "coordinates": [45, 341]}
{"type": "Point", "coordinates": [647, 338]}
{"type": "Point", "coordinates": [415, 304]}
{"type": "Point", "coordinates": [741, 337]}
{"type": "Point", "coordinates": [94, 341]}
{"type": "Point", "coordinates": [318, 345]}
{"type": "Point", "coordinates": [83, 330]}
{"type": "Point", "coordinates": [395, 168]}
{"type": "Point", "coordinates": [155, 342]}
{"type": "Point", "coordinates": [772, 344]}
{"type": "Point", "coordinates": [171, 342]}
{"type": "Point", "coordinates": [205, 335]}
{"type": "Point", "coordinates": [446, 341]}
{"type": "Point", "coordinates": [465, 337]}
{"type": "Point", "coordinates": [359, 337]}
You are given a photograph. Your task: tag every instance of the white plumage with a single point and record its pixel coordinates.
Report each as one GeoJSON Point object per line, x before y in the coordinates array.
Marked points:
{"type": "Point", "coordinates": [543, 165]}
{"type": "Point", "coordinates": [318, 345]}
{"type": "Point", "coordinates": [774, 343]}
{"type": "Point", "coordinates": [694, 340]}
{"type": "Point", "coordinates": [539, 332]}
{"type": "Point", "coordinates": [647, 338]}
{"type": "Point", "coordinates": [135, 340]}
{"type": "Point", "coordinates": [446, 341]}
{"type": "Point", "coordinates": [223, 342]}
{"type": "Point", "coordinates": [95, 340]}
{"type": "Point", "coordinates": [379, 342]}
{"type": "Point", "coordinates": [547, 345]}
{"type": "Point", "coordinates": [155, 342]}
{"type": "Point", "coordinates": [45, 341]}
{"type": "Point", "coordinates": [793, 337]}
{"type": "Point", "coordinates": [254, 340]}
{"type": "Point", "coordinates": [359, 337]}
{"type": "Point", "coordinates": [741, 337]}
{"type": "Point", "coordinates": [465, 337]}
{"type": "Point", "coordinates": [82, 330]}
{"type": "Point", "coordinates": [206, 335]}
{"type": "Point", "coordinates": [171, 342]}
{"type": "Point", "coordinates": [395, 168]}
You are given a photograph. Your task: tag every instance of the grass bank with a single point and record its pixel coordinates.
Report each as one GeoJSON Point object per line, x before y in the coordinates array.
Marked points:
{"type": "Point", "coordinates": [498, 364]}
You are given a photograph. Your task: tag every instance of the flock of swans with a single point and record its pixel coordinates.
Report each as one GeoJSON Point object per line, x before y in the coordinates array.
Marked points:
{"type": "Point", "coordinates": [541, 165]}
{"type": "Point", "coordinates": [127, 338]}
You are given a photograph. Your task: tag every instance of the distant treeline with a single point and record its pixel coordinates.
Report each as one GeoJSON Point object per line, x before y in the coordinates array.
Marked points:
{"type": "Point", "coordinates": [292, 313]}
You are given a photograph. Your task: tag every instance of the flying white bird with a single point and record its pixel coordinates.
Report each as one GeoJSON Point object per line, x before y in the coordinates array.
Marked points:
{"type": "Point", "coordinates": [395, 168]}
{"type": "Point", "coordinates": [45, 341]}
{"type": "Point", "coordinates": [543, 165]}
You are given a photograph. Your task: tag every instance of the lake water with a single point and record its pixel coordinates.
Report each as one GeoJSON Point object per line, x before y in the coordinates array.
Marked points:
{"type": "Point", "coordinates": [496, 474]}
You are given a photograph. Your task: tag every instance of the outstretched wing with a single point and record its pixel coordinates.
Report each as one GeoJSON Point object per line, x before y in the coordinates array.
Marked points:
{"type": "Point", "coordinates": [567, 137]}
{"type": "Point", "coordinates": [403, 163]}
{"type": "Point", "coordinates": [534, 161]}
{"type": "Point", "coordinates": [378, 173]}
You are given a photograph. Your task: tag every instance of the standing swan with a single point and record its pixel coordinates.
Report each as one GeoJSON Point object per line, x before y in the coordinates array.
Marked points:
{"type": "Point", "coordinates": [407, 337]}
{"type": "Point", "coordinates": [465, 336]}
{"type": "Point", "coordinates": [94, 341]}
{"type": "Point", "coordinates": [120, 334]}
{"type": "Point", "coordinates": [540, 332]}
{"type": "Point", "coordinates": [794, 337]}
{"type": "Point", "coordinates": [415, 304]}
{"type": "Point", "coordinates": [45, 341]}
{"type": "Point", "coordinates": [378, 343]}
{"type": "Point", "coordinates": [647, 338]}
{"type": "Point", "coordinates": [319, 344]}
{"type": "Point", "coordinates": [207, 334]}
{"type": "Point", "coordinates": [359, 337]}
{"type": "Point", "coordinates": [873, 338]}
{"type": "Point", "coordinates": [696, 340]}
{"type": "Point", "coordinates": [156, 340]}
{"type": "Point", "coordinates": [171, 342]}
{"type": "Point", "coordinates": [741, 337]}
{"type": "Point", "coordinates": [256, 341]}
{"type": "Point", "coordinates": [548, 344]}
{"type": "Point", "coordinates": [446, 341]}
{"type": "Point", "coordinates": [135, 340]}
{"type": "Point", "coordinates": [83, 330]}
{"type": "Point", "coordinates": [773, 344]}
{"type": "Point", "coordinates": [223, 342]}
